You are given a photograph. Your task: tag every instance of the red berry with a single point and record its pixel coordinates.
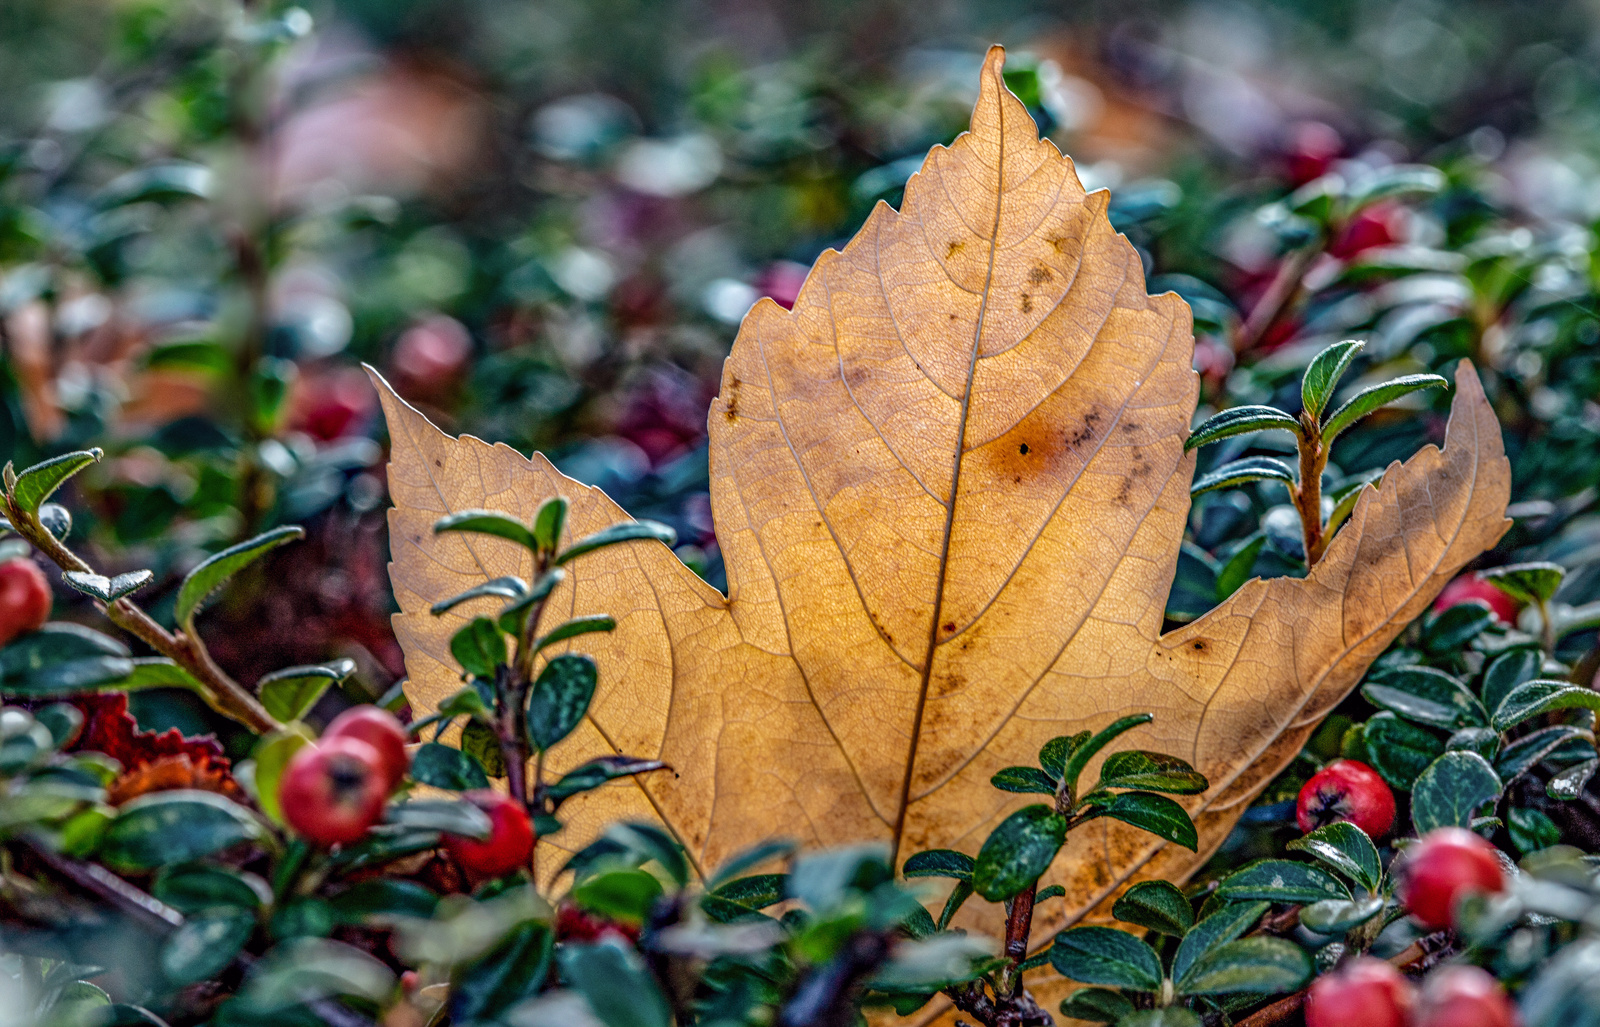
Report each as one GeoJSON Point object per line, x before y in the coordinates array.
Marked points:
{"type": "Point", "coordinates": [1346, 790]}
{"type": "Point", "coordinates": [1468, 588]}
{"type": "Point", "coordinates": [333, 791]}
{"type": "Point", "coordinates": [1366, 993]}
{"type": "Point", "coordinates": [328, 406]}
{"type": "Point", "coordinates": [1447, 863]}
{"type": "Point", "coordinates": [1464, 996]}
{"type": "Point", "coordinates": [510, 841]}
{"type": "Point", "coordinates": [1378, 225]}
{"type": "Point", "coordinates": [24, 598]}
{"type": "Point", "coordinates": [1312, 147]}
{"type": "Point", "coordinates": [379, 729]}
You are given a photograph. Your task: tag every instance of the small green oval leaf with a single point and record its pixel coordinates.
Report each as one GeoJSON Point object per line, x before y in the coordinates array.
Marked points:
{"type": "Point", "coordinates": [487, 522]}
{"type": "Point", "coordinates": [39, 482]}
{"type": "Point", "coordinates": [1101, 955]}
{"type": "Point", "coordinates": [1263, 965]}
{"type": "Point", "coordinates": [107, 590]}
{"type": "Point", "coordinates": [1241, 420]}
{"type": "Point", "coordinates": [212, 574]}
{"type": "Point", "coordinates": [206, 944]}
{"type": "Point", "coordinates": [1017, 852]}
{"type": "Point", "coordinates": [939, 863]}
{"type": "Point", "coordinates": [289, 693]}
{"type": "Point", "coordinates": [443, 766]}
{"type": "Point", "coordinates": [1281, 880]}
{"type": "Point", "coordinates": [171, 827]}
{"type": "Point", "coordinates": [508, 587]}
{"type": "Point", "coordinates": [1148, 811]}
{"type": "Point", "coordinates": [1238, 472]}
{"type": "Point", "coordinates": [1152, 771]}
{"type": "Point", "coordinates": [1532, 698]}
{"type": "Point", "coordinates": [1451, 789]}
{"type": "Point", "coordinates": [549, 522]}
{"type": "Point", "coordinates": [1323, 374]}
{"type": "Point", "coordinates": [1374, 397]}
{"type": "Point", "coordinates": [1347, 849]}
{"type": "Point", "coordinates": [1527, 582]}
{"type": "Point", "coordinates": [1215, 930]}
{"type": "Point", "coordinates": [573, 628]}
{"type": "Point", "coordinates": [626, 531]}
{"type": "Point", "coordinates": [1023, 779]}
{"type": "Point", "coordinates": [479, 647]}
{"type": "Point", "coordinates": [559, 698]}
{"type": "Point", "coordinates": [1156, 906]}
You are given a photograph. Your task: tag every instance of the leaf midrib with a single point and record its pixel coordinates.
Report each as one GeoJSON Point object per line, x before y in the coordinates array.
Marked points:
{"type": "Point", "coordinates": [955, 489]}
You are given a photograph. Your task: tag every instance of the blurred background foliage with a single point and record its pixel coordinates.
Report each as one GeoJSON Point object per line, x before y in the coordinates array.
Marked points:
{"type": "Point", "coordinates": [544, 219]}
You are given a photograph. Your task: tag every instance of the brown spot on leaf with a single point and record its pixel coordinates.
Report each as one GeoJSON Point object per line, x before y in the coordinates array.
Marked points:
{"type": "Point", "coordinates": [731, 411]}
{"type": "Point", "coordinates": [1039, 274]}
{"type": "Point", "coordinates": [1027, 303]}
{"type": "Point", "coordinates": [949, 625]}
{"type": "Point", "coordinates": [1023, 449]}
{"type": "Point", "coordinates": [954, 248]}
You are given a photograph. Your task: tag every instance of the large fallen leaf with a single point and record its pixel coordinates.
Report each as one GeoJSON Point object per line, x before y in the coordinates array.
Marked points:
{"type": "Point", "coordinates": [950, 488]}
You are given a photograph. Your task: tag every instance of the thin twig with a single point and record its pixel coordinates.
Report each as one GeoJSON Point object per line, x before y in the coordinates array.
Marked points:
{"type": "Point", "coordinates": [223, 694]}
{"type": "Point", "coordinates": [1420, 956]}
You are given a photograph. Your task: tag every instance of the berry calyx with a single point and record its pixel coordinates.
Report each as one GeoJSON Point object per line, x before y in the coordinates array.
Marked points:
{"type": "Point", "coordinates": [574, 923]}
{"type": "Point", "coordinates": [24, 598]}
{"type": "Point", "coordinates": [1346, 790]}
{"type": "Point", "coordinates": [1464, 996]}
{"type": "Point", "coordinates": [379, 729]}
{"type": "Point", "coordinates": [1446, 864]}
{"type": "Point", "coordinates": [1471, 588]}
{"type": "Point", "coordinates": [510, 841]}
{"type": "Point", "coordinates": [333, 791]}
{"type": "Point", "coordinates": [1367, 991]}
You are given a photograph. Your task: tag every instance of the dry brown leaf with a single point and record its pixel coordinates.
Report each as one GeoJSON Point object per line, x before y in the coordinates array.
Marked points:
{"type": "Point", "coordinates": [885, 648]}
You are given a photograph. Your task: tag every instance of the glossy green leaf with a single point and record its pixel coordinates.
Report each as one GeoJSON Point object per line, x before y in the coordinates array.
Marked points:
{"type": "Point", "coordinates": [1023, 779]}
{"type": "Point", "coordinates": [1097, 1005]}
{"type": "Point", "coordinates": [192, 887]}
{"type": "Point", "coordinates": [1152, 771]}
{"type": "Point", "coordinates": [1335, 916]}
{"type": "Point", "coordinates": [175, 826]}
{"type": "Point", "coordinates": [446, 767]}
{"type": "Point", "coordinates": [1568, 784]}
{"type": "Point", "coordinates": [1454, 629]}
{"type": "Point", "coordinates": [1237, 568]}
{"type": "Point", "coordinates": [559, 698]}
{"type": "Point", "coordinates": [1527, 582]}
{"type": "Point", "coordinates": [1451, 790]}
{"type": "Point", "coordinates": [952, 904]}
{"type": "Point", "coordinates": [1399, 751]}
{"type": "Point", "coordinates": [1507, 671]}
{"type": "Point", "coordinates": [573, 628]}
{"type": "Point", "coordinates": [488, 522]}
{"type": "Point", "coordinates": [939, 863]}
{"type": "Point", "coordinates": [289, 693]}
{"type": "Point", "coordinates": [69, 676]}
{"type": "Point", "coordinates": [1521, 755]}
{"type": "Point", "coordinates": [613, 980]}
{"type": "Point", "coordinates": [272, 754]}
{"type": "Point", "coordinates": [549, 522]}
{"type": "Point", "coordinates": [1481, 740]}
{"type": "Point", "coordinates": [1375, 397]}
{"type": "Point", "coordinates": [1281, 880]}
{"type": "Point", "coordinates": [107, 590]}
{"type": "Point", "coordinates": [508, 587]}
{"type": "Point", "coordinates": [1148, 811]}
{"type": "Point", "coordinates": [1532, 830]}
{"type": "Point", "coordinates": [159, 672]}
{"type": "Point", "coordinates": [1215, 930]}
{"type": "Point", "coordinates": [1156, 906]}
{"type": "Point", "coordinates": [479, 647]}
{"type": "Point", "coordinates": [1347, 849]}
{"type": "Point", "coordinates": [1426, 695]}
{"type": "Point", "coordinates": [1261, 965]}
{"type": "Point", "coordinates": [621, 893]}
{"type": "Point", "coordinates": [56, 642]}
{"type": "Point", "coordinates": [513, 970]}
{"type": "Point", "coordinates": [1323, 374]}
{"type": "Point", "coordinates": [39, 482]}
{"type": "Point", "coordinates": [479, 741]}
{"type": "Point", "coordinates": [597, 772]}
{"type": "Point", "coordinates": [1532, 698]}
{"type": "Point", "coordinates": [206, 944]}
{"type": "Point", "coordinates": [1053, 755]}
{"type": "Point", "coordinates": [375, 901]}
{"type": "Point", "coordinates": [1017, 852]}
{"type": "Point", "coordinates": [1082, 754]}
{"type": "Point", "coordinates": [1238, 472]}
{"type": "Point", "coordinates": [1241, 420]}
{"type": "Point", "coordinates": [1100, 955]}
{"type": "Point", "coordinates": [626, 531]}
{"type": "Point", "coordinates": [212, 574]}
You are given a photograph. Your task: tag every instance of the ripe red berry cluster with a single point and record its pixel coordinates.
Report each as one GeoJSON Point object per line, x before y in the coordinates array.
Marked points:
{"type": "Point", "coordinates": [1372, 993]}
{"type": "Point", "coordinates": [333, 791]}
